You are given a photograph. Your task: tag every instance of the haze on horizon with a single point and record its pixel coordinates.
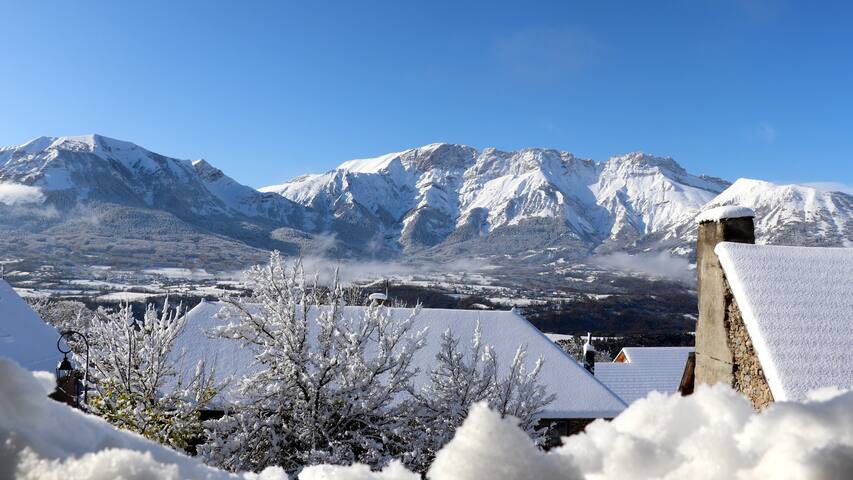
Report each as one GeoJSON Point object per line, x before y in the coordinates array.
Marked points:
{"type": "Point", "coordinates": [730, 88]}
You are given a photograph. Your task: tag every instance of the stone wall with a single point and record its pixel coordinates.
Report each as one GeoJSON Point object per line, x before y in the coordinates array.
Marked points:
{"type": "Point", "coordinates": [714, 361]}
{"type": "Point", "coordinates": [748, 376]}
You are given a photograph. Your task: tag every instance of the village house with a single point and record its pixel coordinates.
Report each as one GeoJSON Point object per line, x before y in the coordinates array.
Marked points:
{"type": "Point", "coordinates": [638, 371]}
{"type": "Point", "coordinates": [580, 397]}
{"type": "Point", "coordinates": [775, 322]}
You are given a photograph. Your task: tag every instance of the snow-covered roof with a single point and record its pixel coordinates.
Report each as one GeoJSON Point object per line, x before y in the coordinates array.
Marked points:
{"type": "Point", "coordinates": [726, 211]}
{"type": "Point", "coordinates": [654, 355]}
{"type": "Point", "coordinates": [797, 304]}
{"type": "Point", "coordinates": [643, 370]}
{"type": "Point", "coordinates": [24, 337]}
{"type": "Point", "coordinates": [579, 394]}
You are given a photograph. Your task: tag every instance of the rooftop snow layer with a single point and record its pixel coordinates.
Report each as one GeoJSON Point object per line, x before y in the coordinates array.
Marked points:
{"type": "Point", "coordinates": [726, 211]}
{"type": "Point", "coordinates": [24, 337]}
{"type": "Point", "coordinates": [579, 394]}
{"type": "Point", "coordinates": [797, 304]}
{"type": "Point", "coordinates": [654, 355]}
{"type": "Point", "coordinates": [644, 370]}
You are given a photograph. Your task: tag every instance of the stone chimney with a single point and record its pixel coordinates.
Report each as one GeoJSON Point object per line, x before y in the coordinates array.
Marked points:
{"type": "Point", "coordinates": [714, 359]}
{"type": "Point", "coordinates": [378, 298]}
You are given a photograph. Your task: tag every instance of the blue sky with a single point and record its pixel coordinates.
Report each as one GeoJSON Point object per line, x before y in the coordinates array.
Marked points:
{"type": "Point", "coordinates": [270, 90]}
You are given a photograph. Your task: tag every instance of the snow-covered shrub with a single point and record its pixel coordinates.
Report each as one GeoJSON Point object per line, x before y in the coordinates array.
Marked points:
{"type": "Point", "coordinates": [62, 314]}
{"type": "Point", "coordinates": [463, 377]}
{"type": "Point", "coordinates": [138, 386]}
{"type": "Point", "coordinates": [331, 387]}
{"type": "Point", "coordinates": [573, 345]}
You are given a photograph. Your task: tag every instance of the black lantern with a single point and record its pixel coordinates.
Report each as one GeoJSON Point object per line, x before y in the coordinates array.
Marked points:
{"type": "Point", "coordinates": [65, 369]}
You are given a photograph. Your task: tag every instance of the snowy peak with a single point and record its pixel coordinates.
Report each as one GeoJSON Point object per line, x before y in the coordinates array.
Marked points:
{"type": "Point", "coordinates": [76, 170]}
{"type": "Point", "coordinates": [206, 171]}
{"type": "Point", "coordinates": [793, 214]}
{"type": "Point", "coordinates": [639, 161]}
{"type": "Point", "coordinates": [423, 159]}
{"type": "Point", "coordinates": [422, 197]}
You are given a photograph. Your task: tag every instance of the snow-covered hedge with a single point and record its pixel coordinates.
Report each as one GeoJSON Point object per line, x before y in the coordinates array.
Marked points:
{"type": "Point", "coordinates": [713, 434]}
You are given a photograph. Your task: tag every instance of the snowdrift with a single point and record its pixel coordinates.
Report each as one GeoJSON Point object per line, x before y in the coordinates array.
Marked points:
{"type": "Point", "coordinates": [43, 439]}
{"type": "Point", "coordinates": [713, 434]}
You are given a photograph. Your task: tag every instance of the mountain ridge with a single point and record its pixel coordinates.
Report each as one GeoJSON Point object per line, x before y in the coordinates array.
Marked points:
{"type": "Point", "coordinates": [439, 201]}
{"type": "Point", "coordinates": [423, 195]}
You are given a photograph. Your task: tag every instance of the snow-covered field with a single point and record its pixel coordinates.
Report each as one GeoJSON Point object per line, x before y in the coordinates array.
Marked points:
{"type": "Point", "coordinates": [714, 434]}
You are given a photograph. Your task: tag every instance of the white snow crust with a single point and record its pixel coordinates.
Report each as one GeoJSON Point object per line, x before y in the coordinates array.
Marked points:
{"type": "Point", "coordinates": [797, 304]}
{"type": "Point", "coordinates": [721, 213]}
{"type": "Point", "coordinates": [24, 337]}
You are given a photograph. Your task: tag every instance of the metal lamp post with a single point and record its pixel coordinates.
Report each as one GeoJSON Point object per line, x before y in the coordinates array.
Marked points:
{"type": "Point", "coordinates": [65, 368]}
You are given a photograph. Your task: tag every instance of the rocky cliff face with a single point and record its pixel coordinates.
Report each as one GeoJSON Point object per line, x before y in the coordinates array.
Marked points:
{"type": "Point", "coordinates": [441, 195]}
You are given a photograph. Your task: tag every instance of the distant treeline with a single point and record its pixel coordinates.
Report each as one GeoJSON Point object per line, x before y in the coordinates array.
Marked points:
{"type": "Point", "coordinates": [618, 315]}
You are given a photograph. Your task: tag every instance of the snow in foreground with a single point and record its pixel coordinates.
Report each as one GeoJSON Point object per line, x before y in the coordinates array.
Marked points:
{"type": "Point", "coordinates": [712, 434]}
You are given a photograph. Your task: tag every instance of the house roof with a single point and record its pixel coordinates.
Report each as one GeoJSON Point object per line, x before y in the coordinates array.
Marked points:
{"type": "Point", "coordinates": [578, 394]}
{"type": "Point", "coordinates": [797, 305]}
{"type": "Point", "coordinates": [24, 337]}
{"type": "Point", "coordinates": [644, 370]}
{"type": "Point", "coordinates": [656, 355]}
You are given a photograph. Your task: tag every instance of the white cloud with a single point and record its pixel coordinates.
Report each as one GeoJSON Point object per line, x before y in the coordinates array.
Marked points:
{"type": "Point", "coordinates": [546, 53]}
{"type": "Point", "coordinates": [766, 132]}
{"type": "Point", "coordinates": [655, 265]}
{"type": "Point", "coordinates": [17, 194]}
{"type": "Point", "coordinates": [368, 270]}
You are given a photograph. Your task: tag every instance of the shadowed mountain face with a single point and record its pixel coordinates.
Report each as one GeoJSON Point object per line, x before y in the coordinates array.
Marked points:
{"type": "Point", "coordinates": [92, 200]}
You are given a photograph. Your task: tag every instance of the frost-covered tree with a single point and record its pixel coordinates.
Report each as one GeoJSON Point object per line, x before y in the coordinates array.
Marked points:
{"type": "Point", "coordinates": [134, 369]}
{"type": "Point", "coordinates": [332, 386]}
{"type": "Point", "coordinates": [573, 345]}
{"type": "Point", "coordinates": [463, 377]}
{"type": "Point", "coordinates": [62, 314]}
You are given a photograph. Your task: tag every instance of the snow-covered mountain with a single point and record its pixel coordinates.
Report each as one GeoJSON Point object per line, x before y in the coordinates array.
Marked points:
{"type": "Point", "coordinates": [96, 200]}
{"type": "Point", "coordinates": [443, 194]}
{"type": "Point", "coordinates": [92, 196]}
{"type": "Point", "coordinates": [97, 168]}
{"type": "Point", "coordinates": [793, 214]}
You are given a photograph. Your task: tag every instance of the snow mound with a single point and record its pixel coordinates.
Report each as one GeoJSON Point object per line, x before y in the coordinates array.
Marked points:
{"type": "Point", "coordinates": [724, 212]}
{"type": "Point", "coordinates": [24, 337]}
{"type": "Point", "coordinates": [44, 439]}
{"type": "Point", "coordinates": [797, 304]}
{"type": "Point", "coordinates": [713, 434]}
